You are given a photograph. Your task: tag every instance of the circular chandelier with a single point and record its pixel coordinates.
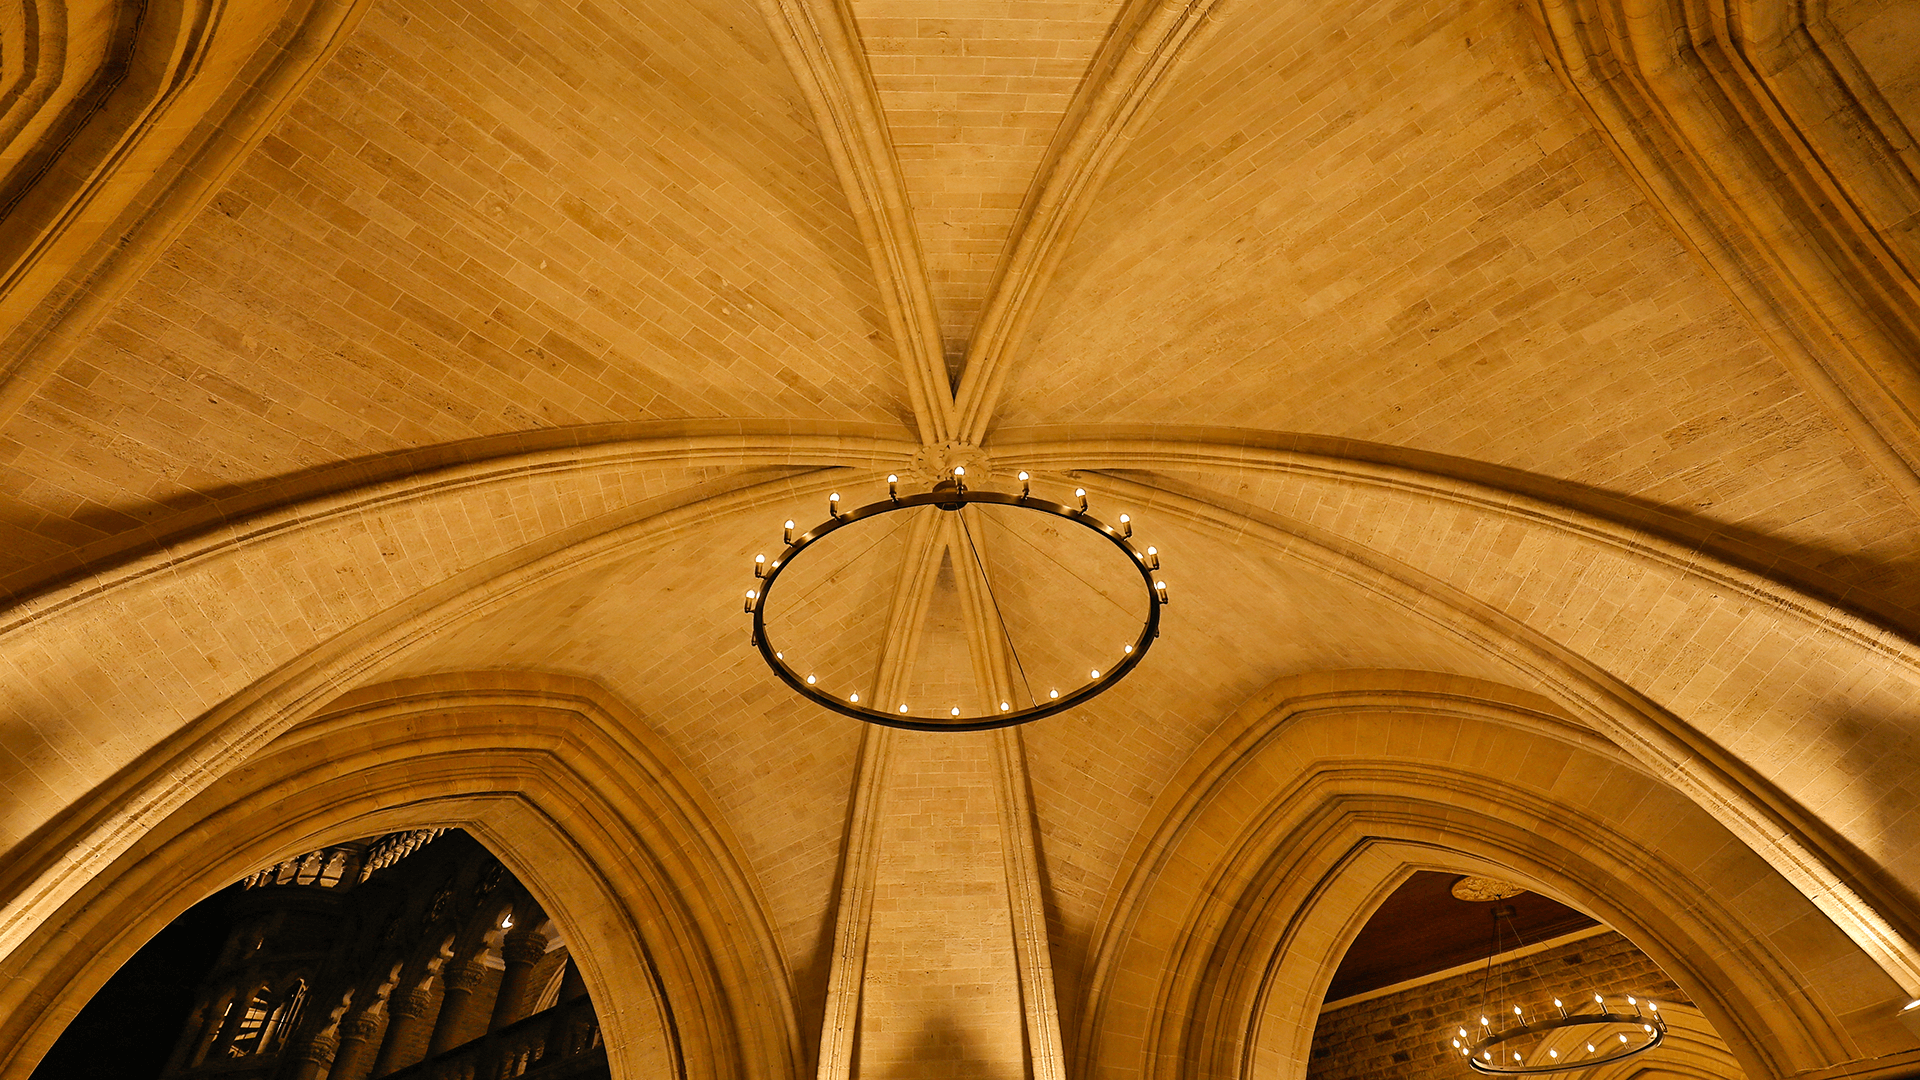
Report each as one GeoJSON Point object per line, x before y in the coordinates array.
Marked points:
{"type": "Point", "coordinates": [953, 495]}
{"type": "Point", "coordinates": [1563, 1040]}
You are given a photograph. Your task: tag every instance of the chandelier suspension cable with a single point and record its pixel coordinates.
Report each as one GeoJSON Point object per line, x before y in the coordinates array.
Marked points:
{"type": "Point", "coordinates": [998, 615]}
{"type": "Point", "coordinates": [1064, 568]}
{"type": "Point", "coordinates": [827, 579]}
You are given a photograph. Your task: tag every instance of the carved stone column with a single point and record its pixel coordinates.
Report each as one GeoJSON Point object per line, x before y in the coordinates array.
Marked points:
{"type": "Point", "coordinates": [312, 1057]}
{"type": "Point", "coordinates": [407, 1018]}
{"type": "Point", "coordinates": [355, 1043]}
{"type": "Point", "coordinates": [456, 1004]}
{"type": "Point", "coordinates": [522, 949]}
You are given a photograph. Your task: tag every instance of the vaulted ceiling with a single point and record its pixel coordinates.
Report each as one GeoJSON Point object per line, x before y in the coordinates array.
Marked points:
{"type": "Point", "coordinates": [356, 343]}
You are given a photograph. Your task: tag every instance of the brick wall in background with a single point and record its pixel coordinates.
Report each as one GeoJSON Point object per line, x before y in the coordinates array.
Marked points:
{"type": "Point", "coordinates": [1402, 1035]}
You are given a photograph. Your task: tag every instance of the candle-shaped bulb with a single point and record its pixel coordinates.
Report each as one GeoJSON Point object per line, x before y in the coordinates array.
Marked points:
{"type": "Point", "coordinates": [893, 487]}
{"type": "Point", "coordinates": [809, 680]}
{"type": "Point", "coordinates": [855, 698]}
{"type": "Point", "coordinates": [1004, 706]}
{"type": "Point", "coordinates": [759, 566]}
{"type": "Point", "coordinates": [956, 710]}
{"type": "Point", "coordinates": [789, 536]}
{"type": "Point", "coordinates": [1126, 526]}
{"type": "Point", "coordinates": [1081, 494]}
{"type": "Point", "coordinates": [903, 708]}
{"type": "Point", "coordinates": [1053, 693]}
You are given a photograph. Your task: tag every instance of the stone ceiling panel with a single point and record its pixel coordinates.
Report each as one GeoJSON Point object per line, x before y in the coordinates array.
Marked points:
{"type": "Point", "coordinates": [973, 92]}
{"type": "Point", "coordinates": [482, 217]}
{"type": "Point", "coordinates": [1388, 222]}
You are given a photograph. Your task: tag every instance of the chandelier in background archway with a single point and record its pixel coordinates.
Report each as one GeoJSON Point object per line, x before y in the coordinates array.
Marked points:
{"type": "Point", "coordinates": [1530, 1043]}
{"type": "Point", "coordinates": [1030, 698]}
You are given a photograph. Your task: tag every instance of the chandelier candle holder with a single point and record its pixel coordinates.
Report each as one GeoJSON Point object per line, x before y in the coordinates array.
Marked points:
{"type": "Point", "coordinates": [953, 495]}
{"type": "Point", "coordinates": [1562, 1039]}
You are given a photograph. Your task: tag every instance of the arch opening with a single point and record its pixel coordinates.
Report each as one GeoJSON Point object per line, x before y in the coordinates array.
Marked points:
{"type": "Point", "coordinates": [413, 953]}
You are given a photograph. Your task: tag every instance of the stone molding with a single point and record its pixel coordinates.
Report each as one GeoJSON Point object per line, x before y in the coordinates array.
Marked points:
{"type": "Point", "coordinates": [1756, 132]}
{"type": "Point", "coordinates": [133, 144]}
{"type": "Point", "coordinates": [1683, 746]}
{"type": "Point", "coordinates": [558, 779]}
{"type": "Point", "coordinates": [1307, 809]}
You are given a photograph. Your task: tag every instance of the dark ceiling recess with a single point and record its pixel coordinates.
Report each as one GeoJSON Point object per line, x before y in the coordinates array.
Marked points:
{"type": "Point", "coordinates": [1422, 929]}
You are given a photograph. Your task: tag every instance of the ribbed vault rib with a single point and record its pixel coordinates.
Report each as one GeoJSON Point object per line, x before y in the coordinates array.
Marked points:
{"type": "Point", "coordinates": [820, 45]}
{"type": "Point", "coordinates": [1130, 76]}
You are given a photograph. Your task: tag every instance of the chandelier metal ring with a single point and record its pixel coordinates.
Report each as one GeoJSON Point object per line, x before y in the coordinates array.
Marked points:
{"type": "Point", "coordinates": [1486, 1056]}
{"type": "Point", "coordinates": [952, 496]}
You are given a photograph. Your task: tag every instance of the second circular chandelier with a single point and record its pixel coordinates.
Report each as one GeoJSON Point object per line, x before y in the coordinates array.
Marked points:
{"type": "Point", "coordinates": [953, 495]}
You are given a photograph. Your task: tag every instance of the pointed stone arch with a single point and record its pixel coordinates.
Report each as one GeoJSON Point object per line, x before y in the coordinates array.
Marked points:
{"type": "Point", "coordinates": [1299, 818]}
{"type": "Point", "coordinates": [562, 783]}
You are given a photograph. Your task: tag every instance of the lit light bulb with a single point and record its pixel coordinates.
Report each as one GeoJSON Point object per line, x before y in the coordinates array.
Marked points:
{"type": "Point", "coordinates": [956, 710]}
{"type": "Point", "coordinates": [893, 487]}
{"type": "Point", "coordinates": [959, 470]}
{"type": "Point", "coordinates": [1589, 1048]}
{"type": "Point", "coordinates": [1463, 1033]}
{"type": "Point", "coordinates": [1655, 1008]}
{"type": "Point", "coordinates": [1129, 650]}
{"type": "Point", "coordinates": [833, 505]}
{"type": "Point", "coordinates": [1024, 478]}
{"type": "Point", "coordinates": [903, 708]}
{"type": "Point", "coordinates": [1630, 1000]}
{"type": "Point", "coordinates": [1516, 1010]}
{"type": "Point", "coordinates": [855, 698]}
{"type": "Point", "coordinates": [779, 656]}
{"type": "Point", "coordinates": [1094, 673]}
{"type": "Point", "coordinates": [752, 593]}
{"type": "Point", "coordinates": [1648, 1028]}
{"type": "Point", "coordinates": [1553, 1053]}
{"type": "Point", "coordinates": [892, 479]}
{"type": "Point", "coordinates": [1484, 1023]}
{"type": "Point", "coordinates": [1053, 693]}
{"type": "Point", "coordinates": [1557, 1005]}
{"type": "Point", "coordinates": [1601, 1000]}
{"type": "Point", "coordinates": [1126, 526]}
{"type": "Point", "coordinates": [1004, 706]}
{"type": "Point", "coordinates": [1486, 1055]}
{"type": "Point", "coordinates": [809, 680]}
{"type": "Point", "coordinates": [759, 566]}
{"type": "Point", "coordinates": [506, 921]}
{"type": "Point", "coordinates": [1623, 1038]}
{"type": "Point", "coordinates": [789, 533]}
{"type": "Point", "coordinates": [1456, 1044]}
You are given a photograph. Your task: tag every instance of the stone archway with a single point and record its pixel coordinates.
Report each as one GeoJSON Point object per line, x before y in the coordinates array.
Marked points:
{"type": "Point", "coordinates": [1299, 819]}
{"type": "Point", "coordinates": [564, 786]}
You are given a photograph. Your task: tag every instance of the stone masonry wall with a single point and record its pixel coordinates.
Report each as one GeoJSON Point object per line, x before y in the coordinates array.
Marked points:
{"type": "Point", "coordinates": [1404, 1035]}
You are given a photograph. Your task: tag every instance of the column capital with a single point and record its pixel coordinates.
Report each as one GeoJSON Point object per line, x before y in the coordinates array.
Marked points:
{"type": "Point", "coordinates": [414, 1003]}
{"type": "Point", "coordinates": [523, 946]}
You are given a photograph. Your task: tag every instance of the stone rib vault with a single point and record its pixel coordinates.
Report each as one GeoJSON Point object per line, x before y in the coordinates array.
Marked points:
{"type": "Point", "coordinates": [394, 394]}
